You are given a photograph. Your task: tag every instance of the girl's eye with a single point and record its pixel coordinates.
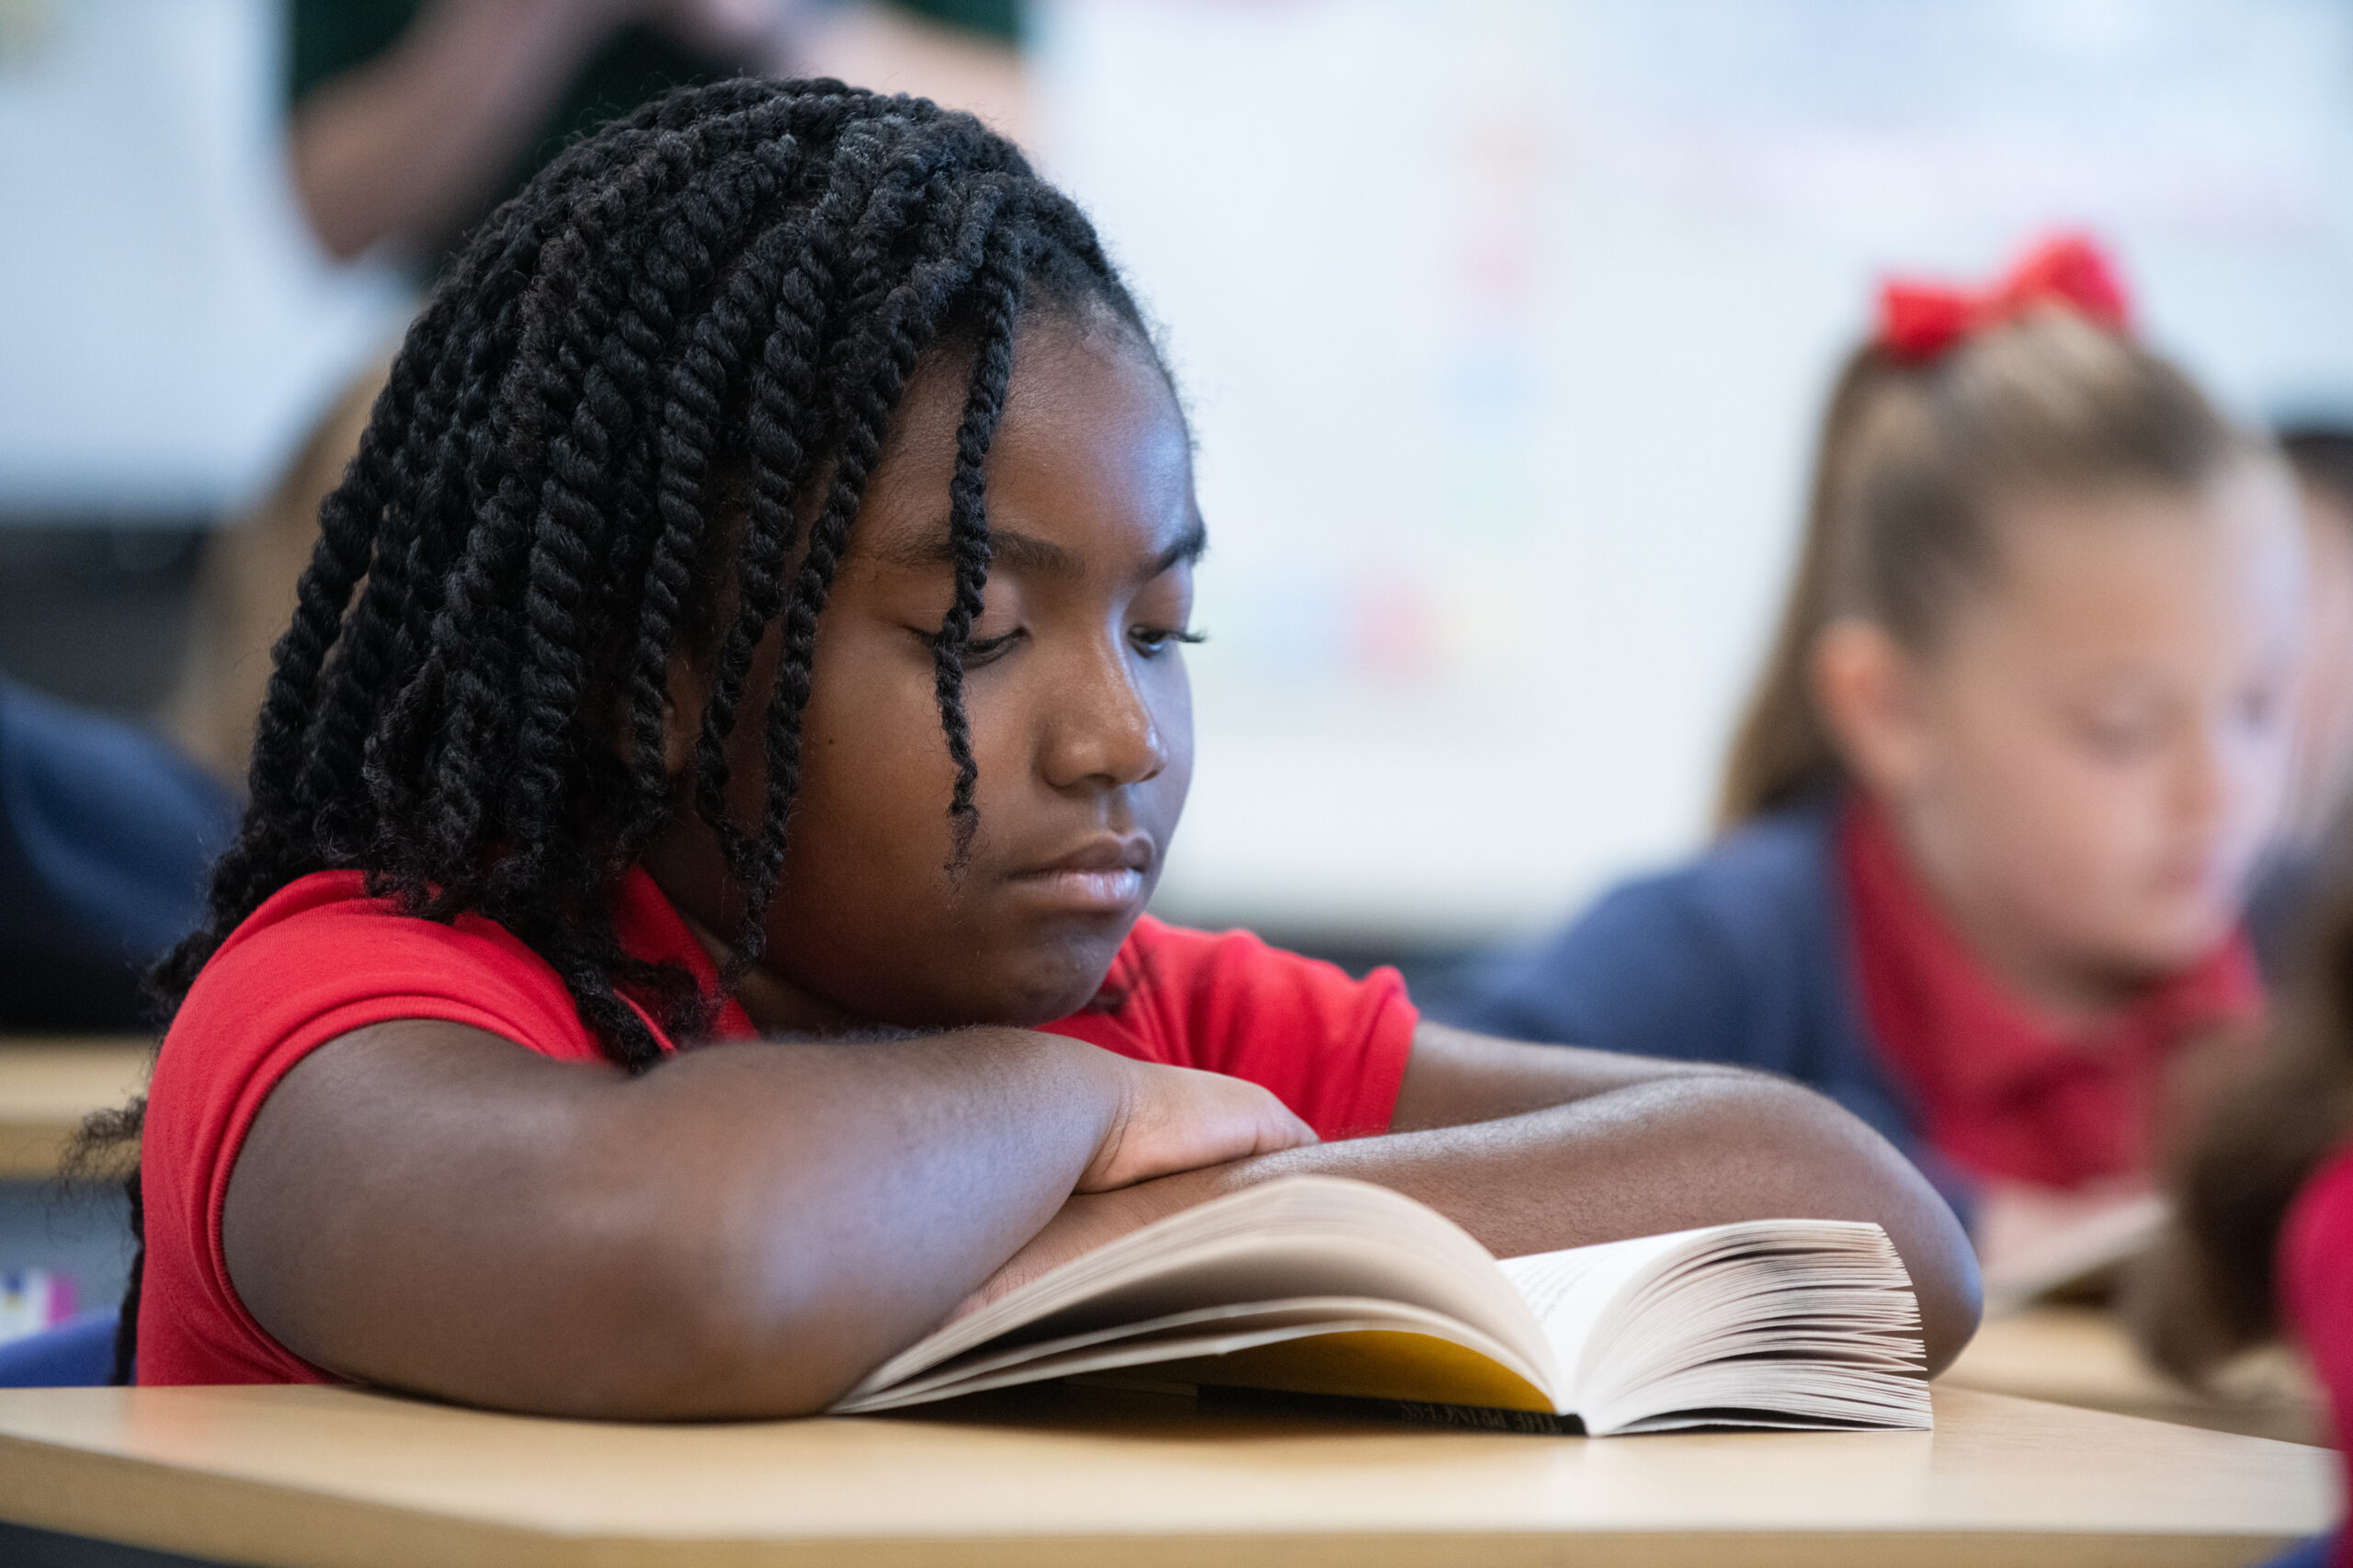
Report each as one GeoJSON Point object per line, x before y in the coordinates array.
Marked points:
{"type": "Point", "coordinates": [977, 649]}
{"type": "Point", "coordinates": [980, 650]}
{"type": "Point", "coordinates": [2120, 739]}
{"type": "Point", "coordinates": [1152, 640]}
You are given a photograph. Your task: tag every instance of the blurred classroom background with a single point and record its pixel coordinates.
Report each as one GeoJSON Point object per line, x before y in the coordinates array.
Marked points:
{"type": "Point", "coordinates": [1507, 323]}
{"type": "Point", "coordinates": [1503, 326]}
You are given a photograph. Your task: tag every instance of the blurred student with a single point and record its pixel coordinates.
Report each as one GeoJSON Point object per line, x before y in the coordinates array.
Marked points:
{"type": "Point", "coordinates": [106, 835]}
{"type": "Point", "coordinates": [414, 118]}
{"type": "Point", "coordinates": [2023, 730]}
{"type": "Point", "coordinates": [2262, 1244]}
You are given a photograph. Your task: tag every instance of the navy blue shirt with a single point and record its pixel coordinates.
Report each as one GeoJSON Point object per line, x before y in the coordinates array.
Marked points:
{"type": "Point", "coordinates": [1740, 956]}
{"type": "Point", "coordinates": [107, 833]}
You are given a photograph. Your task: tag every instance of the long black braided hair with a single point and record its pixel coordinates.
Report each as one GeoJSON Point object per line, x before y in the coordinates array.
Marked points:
{"type": "Point", "coordinates": [592, 454]}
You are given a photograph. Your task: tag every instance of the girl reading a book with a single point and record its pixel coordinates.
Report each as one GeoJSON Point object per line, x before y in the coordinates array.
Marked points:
{"type": "Point", "coordinates": [687, 941]}
{"type": "Point", "coordinates": [1991, 813]}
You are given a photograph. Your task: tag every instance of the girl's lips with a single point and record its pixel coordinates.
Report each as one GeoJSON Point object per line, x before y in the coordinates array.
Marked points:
{"type": "Point", "coordinates": [1106, 890]}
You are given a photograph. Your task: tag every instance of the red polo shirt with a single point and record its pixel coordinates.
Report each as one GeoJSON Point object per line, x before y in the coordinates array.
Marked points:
{"type": "Point", "coordinates": [320, 959]}
{"type": "Point", "coordinates": [2315, 1269]}
{"type": "Point", "coordinates": [2000, 1090]}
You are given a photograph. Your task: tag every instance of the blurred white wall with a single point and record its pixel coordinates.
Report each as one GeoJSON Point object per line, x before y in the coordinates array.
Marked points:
{"type": "Point", "coordinates": [1505, 324]}
{"type": "Point", "coordinates": [168, 329]}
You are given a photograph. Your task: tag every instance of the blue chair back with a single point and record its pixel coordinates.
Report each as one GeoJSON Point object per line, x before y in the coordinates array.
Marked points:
{"type": "Point", "coordinates": [2313, 1554]}
{"type": "Point", "coordinates": [78, 1353]}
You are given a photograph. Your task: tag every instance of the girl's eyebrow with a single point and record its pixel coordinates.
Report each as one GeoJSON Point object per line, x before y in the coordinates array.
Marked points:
{"type": "Point", "coordinates": [1029, 554]}
{"type": "Point", "coordinates": [1190, 545]}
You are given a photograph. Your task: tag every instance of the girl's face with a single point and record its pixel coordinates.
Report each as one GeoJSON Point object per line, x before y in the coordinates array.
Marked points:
{"type": "Point", "coordinates": [1074, 689]}
{"type": "Point", "coordinates": [2085, 766]}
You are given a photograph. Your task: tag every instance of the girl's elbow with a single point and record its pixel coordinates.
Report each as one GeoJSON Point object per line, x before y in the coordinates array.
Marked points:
{"type": "Point", "coordinates": [1854, 1173]}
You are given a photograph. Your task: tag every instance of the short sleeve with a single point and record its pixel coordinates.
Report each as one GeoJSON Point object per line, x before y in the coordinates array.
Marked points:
{"type": "Point", "coordinates": [279, 991]}
{"type": "Point", "coordinates": [1331, 1047]}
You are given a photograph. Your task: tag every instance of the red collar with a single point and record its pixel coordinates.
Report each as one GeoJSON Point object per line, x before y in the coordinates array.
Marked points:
{"type": "Point", "coordinates": [2002, 1089]}
{"type": "Point", "coordinates": [652, 930]}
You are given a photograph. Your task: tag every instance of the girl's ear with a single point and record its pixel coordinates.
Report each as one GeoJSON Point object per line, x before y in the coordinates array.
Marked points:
{"type": "Point", "coordinates": [1867, 688]}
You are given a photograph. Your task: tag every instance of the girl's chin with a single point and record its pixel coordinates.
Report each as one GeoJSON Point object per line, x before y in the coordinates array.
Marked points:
{"type": "Point", "coordinates": [2164, 949]}
{"type": "Point", "coordinates": [1045, 987]}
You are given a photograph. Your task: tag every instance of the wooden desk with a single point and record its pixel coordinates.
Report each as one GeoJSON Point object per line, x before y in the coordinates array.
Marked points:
{"type": "Point", "coordinates": [48, 1085]}
{"type": "Point", "coordinates": [2081, 1355]}
{"type": "Point", "coordinates": [331, 1478]}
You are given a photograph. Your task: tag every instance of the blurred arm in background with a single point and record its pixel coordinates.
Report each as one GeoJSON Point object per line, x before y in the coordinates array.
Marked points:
{"type": "Point", "coordinates": [413, 118]}
{"type": "Point", "coordinates": [410, 145]}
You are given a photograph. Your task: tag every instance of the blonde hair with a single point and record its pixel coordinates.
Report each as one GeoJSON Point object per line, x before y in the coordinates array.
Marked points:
{"type": "Point", "coordinates": [1913, 460]}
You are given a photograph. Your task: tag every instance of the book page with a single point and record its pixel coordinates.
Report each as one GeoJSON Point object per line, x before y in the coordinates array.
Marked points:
{"type": "Point", "coordinates": [1570, 1290]}
{"type": "Point", "coordinates": [1325, 1345]}
{"type": "Point", "coordinates": [2034, 1242]}
{"type": "Point", "coordinates": [1298, 1237]}
{"type": "Point", "coordinates": [1788, 1322]}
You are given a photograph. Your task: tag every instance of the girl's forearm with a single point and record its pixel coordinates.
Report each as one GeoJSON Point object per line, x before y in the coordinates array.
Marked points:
{"type": "Point", "coordinates": [874, 1187]}
{"type": "Point", "coordinates": [744, 1231]}
{"type": "Point", "coordinates": [1697, 1149]}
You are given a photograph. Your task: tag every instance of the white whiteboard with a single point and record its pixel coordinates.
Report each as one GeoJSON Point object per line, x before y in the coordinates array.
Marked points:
{"type": "Point", "coordinates": [1505, 324]}
{"type": "Point", "coordinates": [168, 328]}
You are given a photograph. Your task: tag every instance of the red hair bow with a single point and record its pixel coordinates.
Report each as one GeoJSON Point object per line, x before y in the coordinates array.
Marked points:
{"type": "Point", "coordinates": [1919, 321]}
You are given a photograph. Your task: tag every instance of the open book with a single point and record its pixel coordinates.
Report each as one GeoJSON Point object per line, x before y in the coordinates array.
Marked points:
{"type": "Point", "coordinates": [1317, 1285]}
{"type": "Point", "coordinates": [2038, 1246]}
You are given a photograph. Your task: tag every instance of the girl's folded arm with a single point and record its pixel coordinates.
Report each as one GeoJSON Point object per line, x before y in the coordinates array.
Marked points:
{"type": "Point", "coordinates": [1533, 1148]}
{"type": "Point", "coordinates": [744, 1231]}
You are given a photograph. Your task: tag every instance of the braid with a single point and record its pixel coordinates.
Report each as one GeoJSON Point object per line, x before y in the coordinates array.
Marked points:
{"type": "Point", "coordinates": [875, 387]}
{"type": "Point", "coordinates": [968, 531]}
{"type": "Point", "coordinates": [592, 457]}
{"type": "Point", "coordinates": [779, 463]}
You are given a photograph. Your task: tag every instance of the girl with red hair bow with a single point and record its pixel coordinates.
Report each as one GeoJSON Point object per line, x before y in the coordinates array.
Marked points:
{"type": "Point", "coordinates": [1987, 819]}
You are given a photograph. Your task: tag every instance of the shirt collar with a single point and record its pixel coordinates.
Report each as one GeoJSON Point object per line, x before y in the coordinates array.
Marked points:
{"type": "Point", "coordinates": [650, 929]}
{"type": "Point", "coordinates": [1986, 1044]}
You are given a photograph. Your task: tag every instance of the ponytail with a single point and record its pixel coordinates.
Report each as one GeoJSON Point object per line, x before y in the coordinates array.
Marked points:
{"type": "Point", "coordinates": [1782, 752]}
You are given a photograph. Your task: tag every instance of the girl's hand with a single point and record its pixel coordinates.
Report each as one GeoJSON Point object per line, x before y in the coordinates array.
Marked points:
{"type": "Point", "coordinates": [1174, 1124]}
{"type": "Point", "coordinates": [1175, 1118]}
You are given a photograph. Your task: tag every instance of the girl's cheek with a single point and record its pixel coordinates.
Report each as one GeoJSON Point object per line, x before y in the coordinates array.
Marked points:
{"type": "Point", "coordinates": [2100, 811]}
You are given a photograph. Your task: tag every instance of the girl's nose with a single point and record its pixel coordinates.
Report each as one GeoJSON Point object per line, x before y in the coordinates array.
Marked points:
{"type": "Point", "coordinates": [2204, 774]}
{"type": "Point", "coordinates": [1104, 731]}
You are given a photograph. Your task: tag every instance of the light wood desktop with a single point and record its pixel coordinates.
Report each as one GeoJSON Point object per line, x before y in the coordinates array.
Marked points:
{"type": "Point", "coordinates": [2081, 1355]}
{"type": "Point", "coordinates": [334, 1478]}
{"type": "Point", "coordinates": [48, 1084]}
